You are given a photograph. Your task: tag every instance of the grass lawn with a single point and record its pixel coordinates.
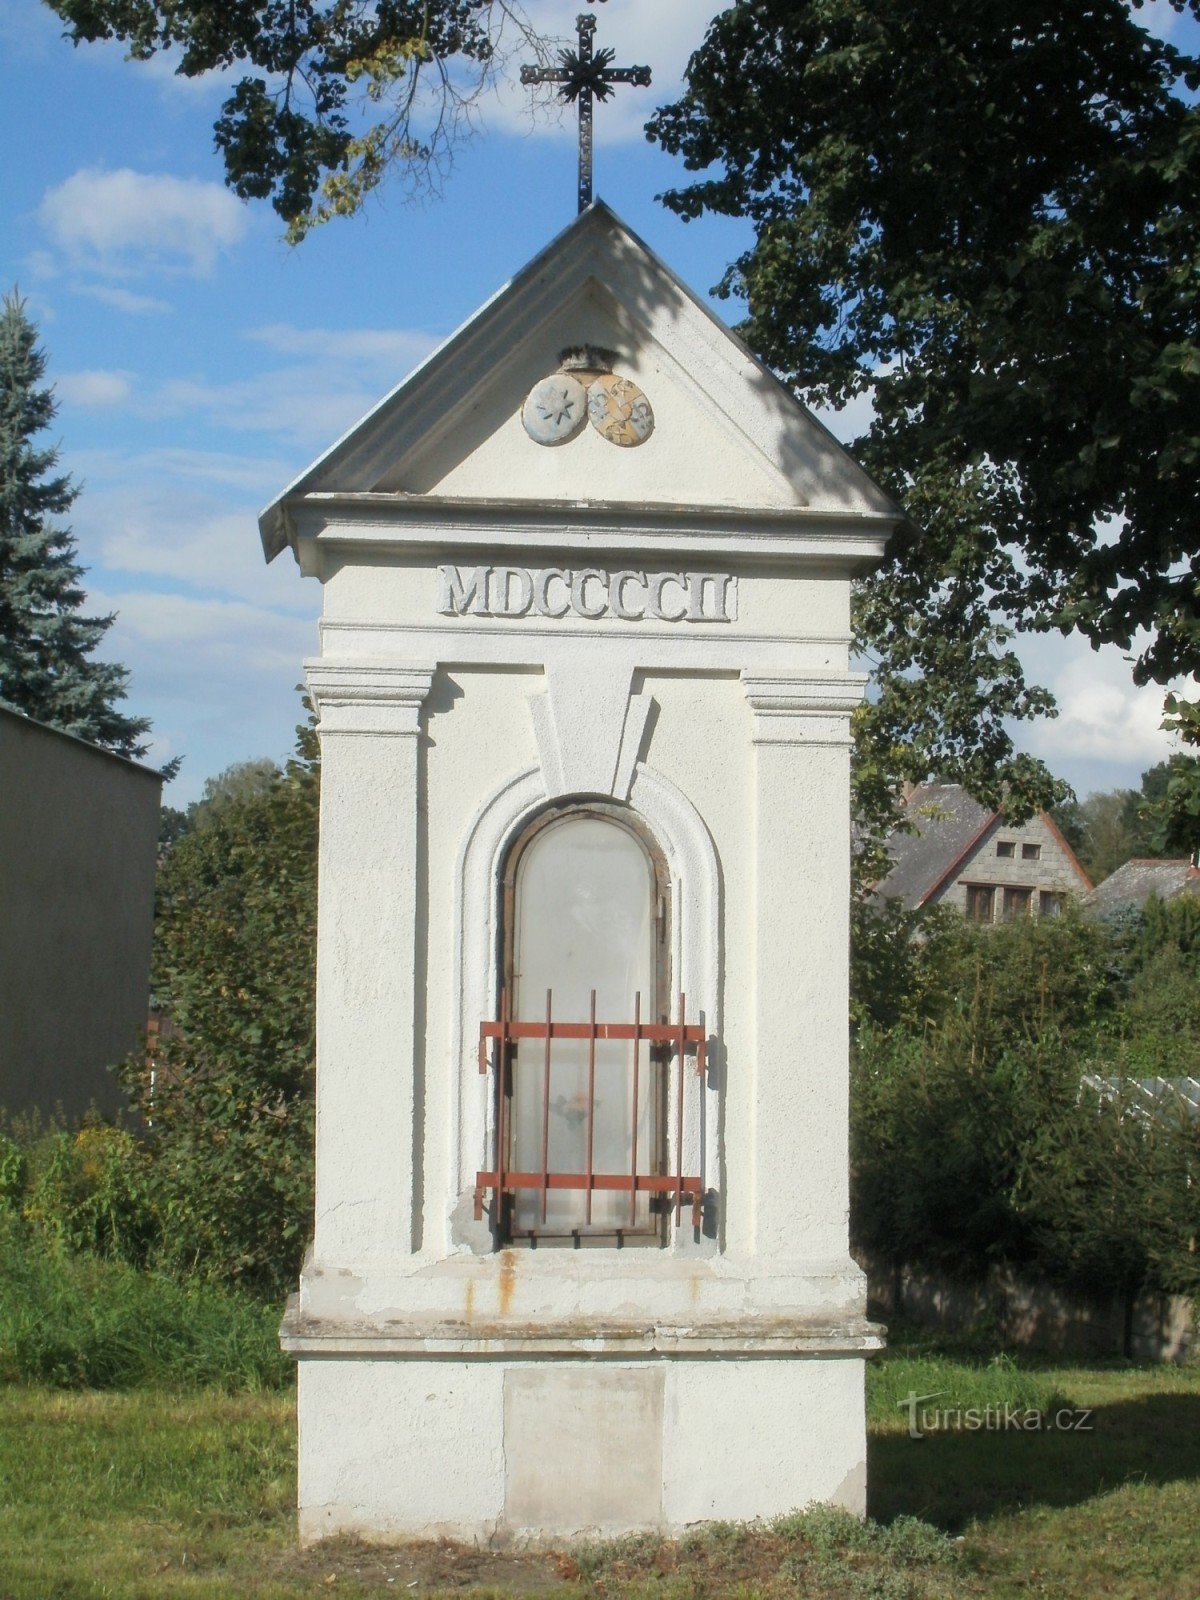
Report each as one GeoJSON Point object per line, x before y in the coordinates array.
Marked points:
{"type": "Point", "coordinates": [146, 1494]}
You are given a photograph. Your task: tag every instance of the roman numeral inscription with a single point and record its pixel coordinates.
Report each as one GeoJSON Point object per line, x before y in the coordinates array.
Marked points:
{"type": "Point", "coordinates": [589, 592]}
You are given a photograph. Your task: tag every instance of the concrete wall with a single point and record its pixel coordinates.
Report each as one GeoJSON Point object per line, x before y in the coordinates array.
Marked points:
{"type": "Point", "coordinates": [78, 837]}
{"type": "Point", "coordinates": [1037, 1316]}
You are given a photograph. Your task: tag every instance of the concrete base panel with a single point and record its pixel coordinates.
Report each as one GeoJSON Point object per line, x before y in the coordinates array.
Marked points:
{"type": "Point", "coordinates": [494, 1450]}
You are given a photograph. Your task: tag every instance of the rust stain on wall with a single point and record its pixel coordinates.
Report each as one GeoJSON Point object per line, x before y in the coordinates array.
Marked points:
{"type": "Point", "coordinates": [508, 1279]}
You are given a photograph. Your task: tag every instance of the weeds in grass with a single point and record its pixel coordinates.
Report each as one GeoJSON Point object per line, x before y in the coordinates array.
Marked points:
{"type": "Point", "coordinates": [190, 1497]}
{"type": "Point", "coordinates": [862, 1560]}
{"type": "Point", "coordinates": [635, 1550]}
{"type": "Point", "coordinates": [822, 1551]}
{"type": "Point", "coordinates": [76, 1322]}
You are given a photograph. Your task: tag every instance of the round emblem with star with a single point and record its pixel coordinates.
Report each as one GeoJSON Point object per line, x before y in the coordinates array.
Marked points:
{"type": "Point", "coordinates": [619, 411]}
{"type": "Point", "coordinates": [555, 409]}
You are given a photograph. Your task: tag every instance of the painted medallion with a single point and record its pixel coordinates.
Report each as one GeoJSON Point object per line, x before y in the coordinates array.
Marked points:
{"type": "Point", "coordinates": [555, 409]}
{"type": "Point", "coordinates": [619, 411]}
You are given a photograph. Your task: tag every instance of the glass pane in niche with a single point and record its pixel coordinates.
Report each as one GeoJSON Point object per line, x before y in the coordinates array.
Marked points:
{"type": "Point", "coordinates": [585, 919]}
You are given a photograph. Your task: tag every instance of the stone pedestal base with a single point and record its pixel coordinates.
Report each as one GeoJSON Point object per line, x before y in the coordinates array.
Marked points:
{"type": "Point", "coordinates": [509, 1397]}
{"type": "Point", "coordinates": [491, 1450]}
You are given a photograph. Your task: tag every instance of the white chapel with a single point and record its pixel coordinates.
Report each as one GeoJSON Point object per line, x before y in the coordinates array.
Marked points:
{"type": "Point", "coordinates": [580, 1262]}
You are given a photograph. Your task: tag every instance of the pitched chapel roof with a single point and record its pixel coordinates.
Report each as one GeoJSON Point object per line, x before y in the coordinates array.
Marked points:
{"type": "Point", "coordinates": [401, 458]}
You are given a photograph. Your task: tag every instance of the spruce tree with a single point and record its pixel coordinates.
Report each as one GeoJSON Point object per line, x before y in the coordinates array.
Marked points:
{"type": "Point", "coordinates": [46, 640]}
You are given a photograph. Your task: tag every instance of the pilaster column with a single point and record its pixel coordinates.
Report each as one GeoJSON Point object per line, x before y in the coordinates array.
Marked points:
{"type": "Point", "coordinates": [798, 1192]}
{"type": "Point", "coordinates": [368, 957]}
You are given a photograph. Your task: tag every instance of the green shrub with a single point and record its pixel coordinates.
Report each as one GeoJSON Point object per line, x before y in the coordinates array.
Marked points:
{"type": "Point", "coordinates": [92, 1191]}
{"type": "Point", "coordinates": [972, 1139]}
{"type": "Point", "coordinates": [231, 1114]}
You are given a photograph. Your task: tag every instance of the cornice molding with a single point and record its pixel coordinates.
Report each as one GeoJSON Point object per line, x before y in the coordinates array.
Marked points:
{"type": "Point", "coordinates": [803, 708]}
{"type": "Point", "coordinates": [381, 698]}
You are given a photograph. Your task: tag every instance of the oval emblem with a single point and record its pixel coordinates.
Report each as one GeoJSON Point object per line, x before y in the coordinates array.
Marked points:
{"type": "Point", "coordinates": [555, 409]}
{"type": "Point", "coordinates": [619, 411]}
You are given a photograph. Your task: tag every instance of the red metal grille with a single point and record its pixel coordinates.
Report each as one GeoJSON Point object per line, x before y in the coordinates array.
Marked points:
{"type": "Point", "coordinates": [673, 1041]}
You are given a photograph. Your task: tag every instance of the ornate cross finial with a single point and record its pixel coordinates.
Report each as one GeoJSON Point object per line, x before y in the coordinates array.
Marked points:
{"type": "Point", "coordinates": [582, 75]}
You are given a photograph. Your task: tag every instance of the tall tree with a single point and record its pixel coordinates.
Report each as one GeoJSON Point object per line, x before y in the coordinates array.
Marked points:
{"type": "Point", "coordinates": [985, 217]}
{"type": "Point", "coordinates": [1158, 818]}
{"type": "Point", "coordinates": [230, 1105]}
{"type": "Point", "coordinates": [1168, 803]}
{"type": "Point", "coordinates": [46, 640]}
{"type": "Point", "coordinates": [334, 95]}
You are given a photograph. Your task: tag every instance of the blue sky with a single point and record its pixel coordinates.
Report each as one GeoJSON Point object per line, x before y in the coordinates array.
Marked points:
{"type": "Point", "coordinates": [200, 362]}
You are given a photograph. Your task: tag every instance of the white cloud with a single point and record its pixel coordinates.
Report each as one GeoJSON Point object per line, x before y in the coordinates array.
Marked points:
{"type": "Point", "coordinates": [94, 388]}
{"type": "Point", "coordinates": [1105, 720]}
{"type": "Point", "coordinates": [1158, 17]}
{"type": "Point", "coordinates": [41, 264]}
{"type": "Point", "coordinates": [257, 475]}
{"type": "Point", "coordinates": [850, 421]}
{"type": "Point", "coordinates": [343, 373]}
{"type": "Point", "coordinates": [111, 294]}
{"type": "Point", "coordinates": [123, 223]}
{"type": "Point", "coordinates": [395, 350]}
{"type": "Point", "coordinates": [185, 519]}
{"type": "Point", "coordinates": [233, 637]}
{"type": "Point", "coordinates": [310, 407]}
{"type": "Point", "coordinates": [215, 676]}
{"type": "Point", "coordinates": [163, 68]}
{"type": "Point", "coordinates": [194, 540]}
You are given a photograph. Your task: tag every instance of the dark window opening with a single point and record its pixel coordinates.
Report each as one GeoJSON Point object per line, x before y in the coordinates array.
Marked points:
{"type": "Point", "coordinates": [1018, 903]}
{"type": "Point", "coordinates": [981, 902]}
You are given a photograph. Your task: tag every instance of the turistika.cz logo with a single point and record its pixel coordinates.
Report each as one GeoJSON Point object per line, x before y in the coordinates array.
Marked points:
{"type": "Point", "coordinates": [924, 1419]}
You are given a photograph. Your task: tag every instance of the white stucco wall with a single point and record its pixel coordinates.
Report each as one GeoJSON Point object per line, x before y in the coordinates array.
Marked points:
{"type": "Point", "coordinates": [535, 1450]}
{"type": "Point", "coordinates": [78, 838]}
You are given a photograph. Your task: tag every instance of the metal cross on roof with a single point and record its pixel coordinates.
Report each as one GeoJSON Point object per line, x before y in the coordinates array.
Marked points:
{"type": "Point", "coordinates": [583, 75]}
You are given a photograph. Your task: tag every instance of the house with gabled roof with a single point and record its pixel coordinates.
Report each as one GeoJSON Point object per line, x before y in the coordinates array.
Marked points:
{"type": "Point", "coordinates": [1144, 878]}
{"type": "Point", "coordinates": [957, 852]}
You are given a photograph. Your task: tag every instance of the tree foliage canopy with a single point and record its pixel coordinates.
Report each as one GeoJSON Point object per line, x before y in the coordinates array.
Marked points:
{"type": "Point", "coordinates": [46, 639]}
{"type": "Point", "coordinates": [1109, 828]}
{"type": "Point", "coordinates": [333, 92]}
{"type": "Point", "coordinates": [986, 217]}
{"type": "Point", "coordinates": [231, 1104]}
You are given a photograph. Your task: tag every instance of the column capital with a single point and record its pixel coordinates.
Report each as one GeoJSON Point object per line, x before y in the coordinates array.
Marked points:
{"type": "Point", "coordinates": [803, 708]}
{"type": "Point", "coordinates": [380, 698]}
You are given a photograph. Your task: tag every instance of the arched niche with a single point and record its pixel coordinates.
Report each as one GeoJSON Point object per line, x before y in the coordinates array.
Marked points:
{"type": "Point", "coordinates": [695, 945]}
